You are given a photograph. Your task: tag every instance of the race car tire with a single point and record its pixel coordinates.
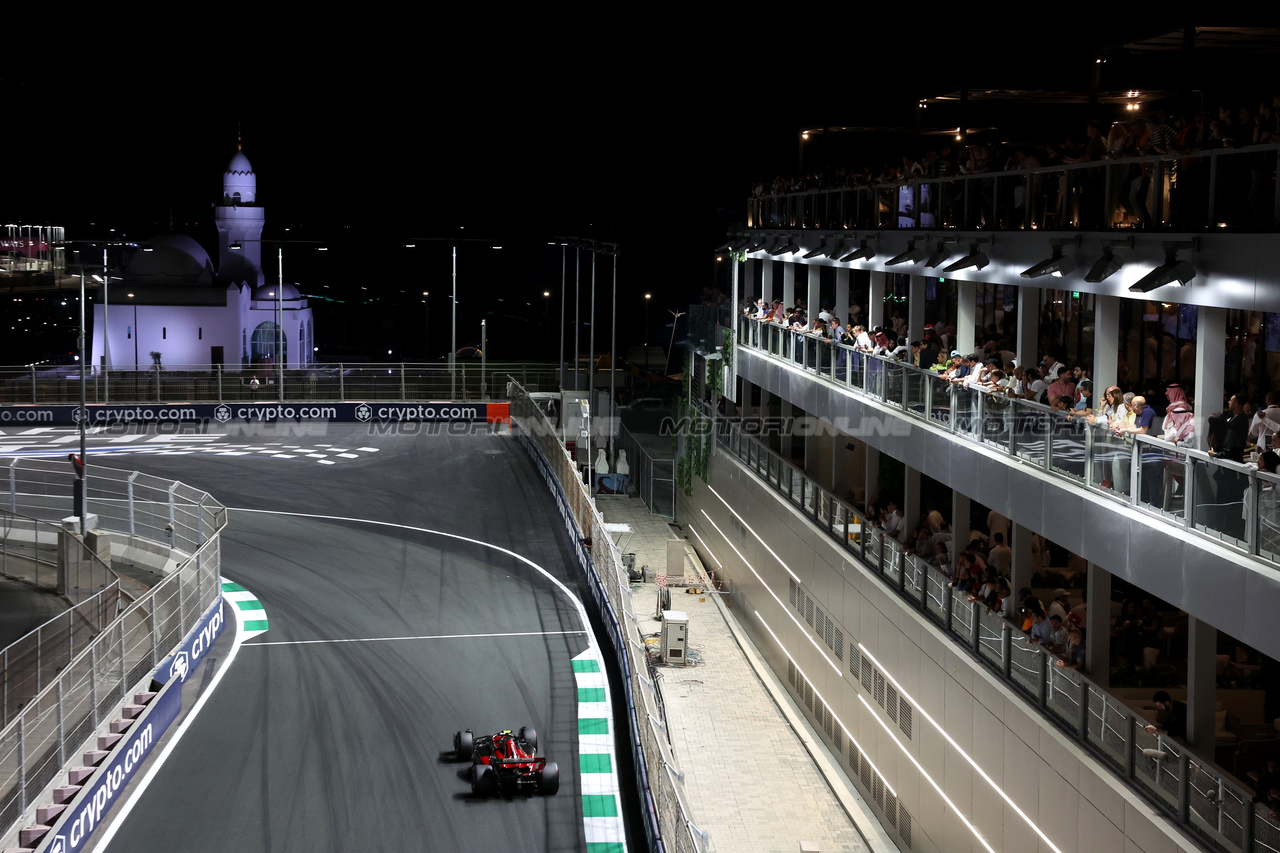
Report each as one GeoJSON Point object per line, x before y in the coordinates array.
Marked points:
{"type": "Point", "coordinates": [549, 778]}
{"type": "Point", "coordinates": [483, 780]}
{"type": "Point", "coordinates": [531, 735]}
{"type": "Point", "coordinates": [462, 744]}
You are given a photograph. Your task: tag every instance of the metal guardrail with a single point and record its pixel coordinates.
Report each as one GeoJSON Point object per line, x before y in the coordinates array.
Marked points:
{"type": "Point", "coordinates": [1189, 790]}
{"type": "Point", "coordinates": [49, 730]}
{"type": "Point", "coordinates": [214, 383]}
{"type": "Point", "coordinates": [1221, 188]}
{"type": "Point", "coordinates": [1230, 502]}
{"type": "Point", "coordinates": [668, 823]}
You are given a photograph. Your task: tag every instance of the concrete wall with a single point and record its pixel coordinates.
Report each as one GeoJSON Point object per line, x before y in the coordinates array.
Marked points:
{"type": "Point", "coordinates": [1074, 801]}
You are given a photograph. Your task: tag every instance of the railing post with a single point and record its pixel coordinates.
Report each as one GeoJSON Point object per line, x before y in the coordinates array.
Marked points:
{"type": "Point", "coordinates": [974, 624]}
{"type": "Point", "coordinates": [1135, 468]}
{"type": "Point", "coordinates": [1006, 650]}
{"type": "Point", "coordinates": [151, 619]}
{"type": "Point", "coordinates": [1246, 827]}
{"type": "Point", "coordinates": [62, 730]}
{"type": "Point", "coordinates": [1088, 455]}
{"type": "Point", "coordinates": [1130, 747]}
{"type": "Point", "coordinates": [402, 394]}
{"type": "Point", "coordinates": [1251, 532]}
{"type": "Point", "coordinates": [129, 483]}
{"type": "Point", "coordinates": [13, 486]}
{"type": "Point", "coordinates": [173, 487]}
{"type": "Point", "coordinates": [1044, 677]}
{"type": "Point", "coordinates": [1184, 786]}
{"type": "Point", "coordinates": [218, 372]}
{"type": "Point", "coordinates": [22, 763]}
{"type": "Point", "coordinates": [1082, 724]}
{"type": "Point", "coordinates": [1188, 493]}
{"type": "Point", "coordinates": [124, 662]}
{"type": "Point", "coordinates": [93, 683]}
{"type": "Point", "coordinates": [342, 378]}
{"type": "Point", "coordinates": [33, 386]}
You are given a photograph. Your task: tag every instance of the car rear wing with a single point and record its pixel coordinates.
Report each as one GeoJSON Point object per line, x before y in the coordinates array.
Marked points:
{"type": "Point", "coordinates": [505, 762]}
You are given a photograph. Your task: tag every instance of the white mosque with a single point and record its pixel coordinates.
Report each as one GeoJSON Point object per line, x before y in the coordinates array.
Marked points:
{"type": "Point", "coordinates": [174, 307]}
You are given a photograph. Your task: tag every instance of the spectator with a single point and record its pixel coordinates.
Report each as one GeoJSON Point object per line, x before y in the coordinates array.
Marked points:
{"type": "Point", "coordinates": [1171, 716]}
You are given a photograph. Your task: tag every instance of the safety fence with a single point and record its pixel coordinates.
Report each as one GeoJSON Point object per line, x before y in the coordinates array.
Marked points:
{"type": "Point", "coordinates": [177, 383]}
{"type": "Point", "coordinates": [654, 479]}
{"type": "Point", "coordinates": [1187, 788]}
{"type": "Point", "coordinates": [79, 690]}
{"type": "Point", "coordinates": [667, 820]}
{"type": "Point", "coordinates": [1189, 490]}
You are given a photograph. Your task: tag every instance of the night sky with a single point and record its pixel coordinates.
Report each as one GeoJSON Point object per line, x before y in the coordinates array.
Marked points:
{"type": "Point", "coordinates": [635, 132]}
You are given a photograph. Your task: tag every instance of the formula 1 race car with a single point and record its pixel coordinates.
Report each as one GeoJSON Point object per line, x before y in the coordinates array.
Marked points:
{"type": "Point", "coordinates": [506, 763]}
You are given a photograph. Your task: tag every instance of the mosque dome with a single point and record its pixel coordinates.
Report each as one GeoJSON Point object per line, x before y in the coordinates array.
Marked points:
{"type": "Point", "coordinates": [239, 183]}
{"type": "Point", "coordinates": [171, 259]}
{"type": "Point", "coordinates": [267, 292]}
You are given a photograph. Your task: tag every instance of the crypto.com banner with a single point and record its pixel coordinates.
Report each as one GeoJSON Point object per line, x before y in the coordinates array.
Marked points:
{"type": "Point", "coordinates": [224, 413]}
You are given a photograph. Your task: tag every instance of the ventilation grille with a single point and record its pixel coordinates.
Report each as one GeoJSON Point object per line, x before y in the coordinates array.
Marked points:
{"type": "Point", "coordinates": [855, 660]}
{"type": "Point", "coordinates": [793, 590]}
{"type": "Point", "coordinates": [837, 643]}
{"type": "Point", "coordinates": [867, 672]}
{"type": "Point", "coordinates": [904, 827]}
{"type": "Point", "coordinates": [905, 713]}
{"type": "Point", "coordinates": [879, 689]}
{"type": "Point", "coordinates": [891, 702]}
{"type": "Point", "coordinates": [808, 611]}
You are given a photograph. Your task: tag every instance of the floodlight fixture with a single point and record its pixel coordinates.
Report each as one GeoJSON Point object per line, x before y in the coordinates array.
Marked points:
{"type": "Point", "coordinates": [976, 259]}
{"type": "Point", "coordinates": [1105, 267]}
{"type": "Point", "coordinates": [911, 254]}
{"type": "Point", "coordinates": [820, 251]}
{"type": "Point", "coordinates": [939, 256]}
{"type": "Point", "coordinates": [758, 244]}
{"type": "Point", "coordinates": [1056, 265]}
{"type": "Point", "coordinates": [741, 245]}
{"type": "Point", "coordinates": [862, 253]}
{"type": "Point", "coordinates": [1167, 273]}
{"type": "Point", "coordinates": [784, 245]}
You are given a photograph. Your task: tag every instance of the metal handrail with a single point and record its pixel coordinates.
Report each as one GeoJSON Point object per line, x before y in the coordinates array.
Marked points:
{"type": "Point", "coordinates": [1029, 433]}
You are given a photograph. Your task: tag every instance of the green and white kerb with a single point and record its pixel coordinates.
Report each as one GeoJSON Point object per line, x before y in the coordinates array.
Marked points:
{"type": "Point", "coordinates": [601, 813]}
{"type": "Point", "coordinates": [251, 617]}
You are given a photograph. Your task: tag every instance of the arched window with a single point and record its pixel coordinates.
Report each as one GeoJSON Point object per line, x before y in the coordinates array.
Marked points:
{"type": "Point", "coordinates": [235, 198]}
{"type": "Point", "coordinates": [302, 341]}
{"type": "Point", "coordinates": [311, 341]}
{"type": "Point", "coordinates": [263, 346]}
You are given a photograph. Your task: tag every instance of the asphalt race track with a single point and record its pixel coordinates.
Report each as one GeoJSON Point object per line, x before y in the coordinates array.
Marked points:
{"type": "Point", "coordinates": [309, 744]}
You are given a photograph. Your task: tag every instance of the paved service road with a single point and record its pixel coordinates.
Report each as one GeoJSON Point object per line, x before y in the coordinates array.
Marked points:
{"type": "Point", "coordinates": [310, 743]}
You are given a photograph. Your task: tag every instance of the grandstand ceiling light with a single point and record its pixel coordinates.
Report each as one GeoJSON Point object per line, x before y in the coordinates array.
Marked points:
{"type": "Point", "coordinates": [862, 253]}
{"type": "Point", "coordinates": [910, 254]}
{"type": "Point", "coordinates": [741, 244]}
{"type": "Point", "coordinates": [939, 256]}
{"type": "Point", "coordinates": [975, 259]}
{"type": "Point", "coordinates": [820, 251]}
{"type": "Point", "coordinates": [1056, 265]}
{"type": "Point", "coordinates": [1172, 270]}
{"type": "Point", "coordinates": [785, 245]}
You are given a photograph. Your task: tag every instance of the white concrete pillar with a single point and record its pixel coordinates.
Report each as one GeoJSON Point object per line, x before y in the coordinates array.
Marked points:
{"type": "Point", "coordinates": [766, 281]}
{"type": "Point", "coordinates": [1106, 344]}
{"type": "Point", "coordinates": [1202, 684]}
{"type": "Point", "coordinates": [872, 475]}
{"type": "Point", "coordinates": [960, 507]}
{"type": "Point", "coordinates": [1211, 354]}
{"type": "Point", "coordinates": [789, 412]}
{"type": "Point", "coordinates": [966, 316]}
{"type": "Point", "coordinates": [915, 308]}
{"type": "Point", "coordinates": [841, 309]}
{"type": "Point", "coordinates": [788, 284]}
{"type": "Point", "coordinates": [875, 299]}
{"type": "Point", "coordinates": [1097, 625]}
{"type": "Point", "coordinates": [1028, 323]}
{"type": "Point", "coordinates": [910, 499]}
{"type": "Point", "coordinates": [814, 295]}
{"type": "Point", "coordinates": [749, 279]}
{"type": "Point", "coordinates": [1022, 567]}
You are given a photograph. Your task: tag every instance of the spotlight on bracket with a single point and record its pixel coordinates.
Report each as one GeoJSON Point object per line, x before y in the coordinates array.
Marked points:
{"type": "Point", "coordinates": [862, 253]}
{"type": "Point", "coordinates": [1167, 273]}
{"type": "Point", "coordinates": [1105, 267]}
{"type": "Point", "coordinates": [976, 259]}
{"type": "Point", "coordinates": [912, 255]}
{"type": "Point", "coordinates": [785, 245]}
{"type": "Point", "coordinates": [818, 252]}
{"type": "Point", "coordinates": [1057, 265]}
{"type": "Point", "coordinates": [939, 256]}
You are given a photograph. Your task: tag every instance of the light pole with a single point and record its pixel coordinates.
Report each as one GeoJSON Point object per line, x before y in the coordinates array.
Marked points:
{"type": "Point", "coordinates": [546, 322]}
{"type": "Point", "coordinates": [426, 328]}
{"type": "Point", "coordinates": [647, 298]}
{"type": "Point", "coordinates": [675, 318]}
{"type": "Point", "coordinates": [82, 482]}
{"type": "Point", "coordinates": [280, 326]}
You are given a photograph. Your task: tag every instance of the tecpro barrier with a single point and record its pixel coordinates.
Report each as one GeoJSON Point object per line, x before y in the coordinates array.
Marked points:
{"type": "Point", "coordinates": [242, 412]}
